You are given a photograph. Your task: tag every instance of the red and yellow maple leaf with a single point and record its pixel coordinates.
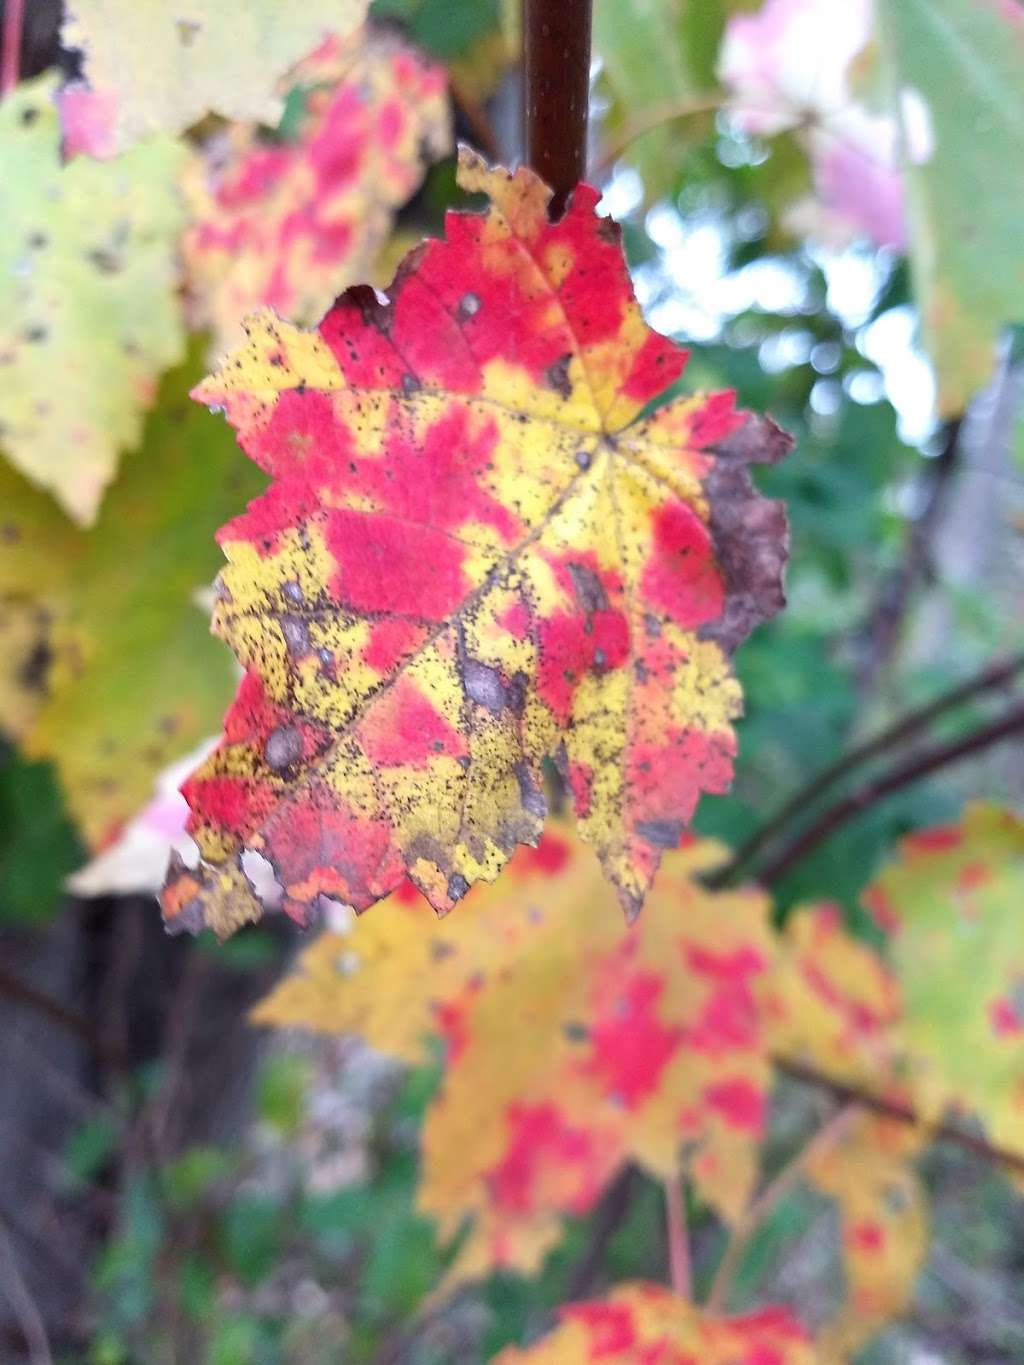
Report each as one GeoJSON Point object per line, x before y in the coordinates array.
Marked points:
{"type": "Point", "coordinates": [952, 903]}
{"type": "Point", "coordinates": [289, 224]}
{"type": "Point", "coordinates": [575, 1043]}
{"type": "Point", "coordinates": [835, 1003]}
{"type": "Point", "coordinates": [642, 1322]}
{"type": "Point", "coordinates": [478, 550]}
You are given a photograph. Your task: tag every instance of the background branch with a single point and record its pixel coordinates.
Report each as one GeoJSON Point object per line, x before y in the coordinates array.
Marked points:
{"type": "Point", "coordinates": [903, 775]}
{"type": "Point", "coordinates": [994, 675]}
{"type": "Point", "coordinates": [903, 1113]}
{"type": "Point", "coordinates": [881, 632]}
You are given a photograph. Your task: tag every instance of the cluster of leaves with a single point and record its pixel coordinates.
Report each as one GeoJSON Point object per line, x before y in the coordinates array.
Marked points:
{"type": "Point", "coordinates": [127, 244]}
{"type": "Point", "coordinates": [502, 563]}
{"type": "Point", "coordinates": [574, 1044]}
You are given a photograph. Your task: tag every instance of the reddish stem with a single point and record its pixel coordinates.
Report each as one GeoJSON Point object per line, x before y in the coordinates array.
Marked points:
{"type": "Point", "coordinates": [679, 1270]}
{"type": "Point", "coordinates": [556, 56]}
{"type": "Point", "coordinates": [10, 60]}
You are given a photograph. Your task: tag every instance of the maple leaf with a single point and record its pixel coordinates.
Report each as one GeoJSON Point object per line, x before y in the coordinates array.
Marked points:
{"type": "Point", "coordinates": [835, 1004]}
{"type": "Point", "coordinates": [161, 67]}
{"type": "Point", "coordinates": [88, 297]}
{"type": "Point", "coordinates": [479, 549]}
{"type": "Point", "coordinates": [574, 1042]}
{"type": "Point", "coordinates": [951, 903]}
{"type": "Point", "coordinates": [108, 668]}
{"type": "Point", "coordinates": [883, 1226]}
{"type": "Point", "coordinates": [290, 224]}
{"type": "Point", "coordinates": [647, 1322]}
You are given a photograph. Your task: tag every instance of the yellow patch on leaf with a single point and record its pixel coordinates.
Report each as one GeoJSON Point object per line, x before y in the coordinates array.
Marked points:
{"type": "Point", "coordinates": [479, 550]}
{"type": "Point", "coordinates": [290, 224]}
{"type": "Point", "coordinates": [575, 1043]}
{"type": "Point", "coordinates": [883, 1226]}
{"type": "Point", "coordinates": [647, 1322]}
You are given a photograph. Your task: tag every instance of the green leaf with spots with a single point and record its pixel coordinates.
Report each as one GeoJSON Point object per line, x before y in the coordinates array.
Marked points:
{"type": "Point", "coordinates": [952, 902]}
{"type": "Point", "coordinates": [89, 312]}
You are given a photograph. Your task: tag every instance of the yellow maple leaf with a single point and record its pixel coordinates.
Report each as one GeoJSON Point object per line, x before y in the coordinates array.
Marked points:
{"type": "Point", "coordinates": [883, 1226]}
{"type": "Point", "coordinates": [835, 1003]}
{"type": "Point", "coordinates": [575, 1042]}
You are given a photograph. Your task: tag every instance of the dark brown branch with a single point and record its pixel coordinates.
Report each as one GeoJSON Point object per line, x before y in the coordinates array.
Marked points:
{"type": "Point", "coordinates": [556, 55]}
{"type": "Point", "coordinates": [15, 989]}
{"type": "Point", "coordinates": [994, 675]}
{"type": "Point", "coordinates": [610, 1213]}
{"type": "Point", "coordinates": [917, 766]}
{"type": "Point", "coordinates": [882, 629]}
{"type": "Point", "coordinates": [846, 1093]}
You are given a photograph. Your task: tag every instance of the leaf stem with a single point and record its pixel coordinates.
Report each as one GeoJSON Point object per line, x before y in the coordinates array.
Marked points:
{"type": "Point", "coordinates": [556, 56]}
{"type": "Point", "coordinates": [903, 775]}
{"type": "Point", "coordinates": [680, 1271]}
{"type": "Point", "coordinates": [992, 676]}
{"type": "Point", "coordinates": [765, 1204]}
{"type": "Point", "coordinates": [667, 113]}
{"type": "Point", "coordinates": [10, 65]}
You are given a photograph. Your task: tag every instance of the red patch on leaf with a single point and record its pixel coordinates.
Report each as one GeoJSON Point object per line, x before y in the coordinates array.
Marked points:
{"type": "Point", "coordinates": [629, 1045]}
{"type": "Point", "coordinates": [739, 1102]}
{"type": "Point", "coordinates": [539, 1139]}
{"type": "Point", "coordinates": [1004, 1018]}
{"type": "Point", "coordinates": [867, 1236]}
{"type": "Point", "coordinates": [681, 576]}
{"type": "Point", "coordinates": [404, 728]}
{"type": "Point", "coordinates": [610, 1326]}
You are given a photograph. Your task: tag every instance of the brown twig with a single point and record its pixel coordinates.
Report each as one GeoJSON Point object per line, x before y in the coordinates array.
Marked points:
{"type": "Point", "coordinates": [881, 631]}
{"type": "Point", "coordinates": [10, 64]}
{"type": "Point", "coordinates": [23, 1305]}
{"type": "Point", "coordinates": [903, 1113]}
{"type": "Point", "coordinates": [761, 1208]}
{"type": "Point", "coordinates": [15, 989]}
{"type": "Point", "coordinates": [556, 57]}
{"type": "Point", "coordinates": [658, 118]}
{"type": "Point", "coordinates": [680, 1270]}
{"type": "Point", "coordinates": [903, 775]}
{"type": "Point", "coordinates": [994, 675]}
